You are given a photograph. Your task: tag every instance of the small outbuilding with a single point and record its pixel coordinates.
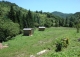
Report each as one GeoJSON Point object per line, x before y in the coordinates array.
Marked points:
{"type": "Point", "coordinates": [28, 31]}
{"type": "Point", "coordinates": [41, 28]}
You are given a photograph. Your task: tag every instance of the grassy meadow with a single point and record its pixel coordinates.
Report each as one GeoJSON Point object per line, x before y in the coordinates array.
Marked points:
{"type": "Point", "coordinates": [24, 46]}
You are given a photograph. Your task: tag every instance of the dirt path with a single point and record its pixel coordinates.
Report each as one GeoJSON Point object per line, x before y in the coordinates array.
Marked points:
{"type": "Point", "coordinates": [1, 46]}
{"type": "Point", "coordinates": [39, 53]}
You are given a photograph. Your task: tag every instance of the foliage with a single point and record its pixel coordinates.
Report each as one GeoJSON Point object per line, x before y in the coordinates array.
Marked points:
{"type": "Point", "coordinates": [77, 21]}
{"type": "Point", "coordinates": [61, 43]}
{"type": "Point", "coordinates": [58, 46]}
{"type": "Point", "coordinates": [48, 22]}
{"type": "Point", "coordinates": [65, 42]}
{"type": "Point", "coordinates": [26, 18]}
{"type": "Point", "coordinates": [8, 29]}
{"type": "Point", "coordinates": [29, 20]}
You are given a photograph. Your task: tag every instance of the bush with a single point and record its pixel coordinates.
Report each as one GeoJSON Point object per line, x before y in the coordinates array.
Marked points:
{"type": "Point", "coordinates": [8, 29]}
{"type": "Point", "coordinates": [61, 43]}
{"type": "Point", "coordinates": [65, 42]}
{"type": "Point", "coordinates": [13, 30]}
{"type": "Point", "coordinates": [2, 36]}
{"type": "Point", "coordinates": [58, 47]}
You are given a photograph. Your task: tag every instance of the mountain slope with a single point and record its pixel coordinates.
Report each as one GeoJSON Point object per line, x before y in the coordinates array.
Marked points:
{"type": "Point", "coordinates": [60, 14]}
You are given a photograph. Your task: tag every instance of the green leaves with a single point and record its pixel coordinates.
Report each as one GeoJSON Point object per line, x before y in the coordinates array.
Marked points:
{"type": "Point", "coordinates": [29, 20]}
{"type": "Point", "coordinates": [48, 22]}
{"type": "Point", "coordinates": [8, 29]}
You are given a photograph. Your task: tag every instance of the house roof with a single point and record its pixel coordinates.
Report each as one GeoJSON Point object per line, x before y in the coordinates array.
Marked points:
{"type": "Point", "coordinates": [41, 27]}
{"type": "Point", "coordinates": [27, 28]}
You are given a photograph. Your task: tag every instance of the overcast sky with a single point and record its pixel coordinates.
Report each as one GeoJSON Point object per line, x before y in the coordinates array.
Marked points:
{"type": "Point", "coordinates": [65, 6]}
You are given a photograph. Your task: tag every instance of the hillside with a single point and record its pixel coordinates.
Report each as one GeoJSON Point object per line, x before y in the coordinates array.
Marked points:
{"type": "Point", "coordinates": [13, 19]}
{"type": "Point", "coordinates": [63, 15]}
{"type": "Point", "coordinates": [5, 7]}
{"type": "Point", "coordinates": [27, 18]}
{"type": "Point", "coordinates": [10, 13]}
{"type": "Point", "coordinates": [20, 18]}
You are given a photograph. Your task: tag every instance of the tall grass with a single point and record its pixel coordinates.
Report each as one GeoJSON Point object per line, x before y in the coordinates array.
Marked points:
{"type": "Point", "coordinates": [24, 46]}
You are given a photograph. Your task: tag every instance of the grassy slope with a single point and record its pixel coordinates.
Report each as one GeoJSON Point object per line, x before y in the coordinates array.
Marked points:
{"type": "Point", "coordinates": [22, 46]}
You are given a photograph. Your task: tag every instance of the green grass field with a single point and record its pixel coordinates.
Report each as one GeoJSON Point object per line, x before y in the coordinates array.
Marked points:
{"type": "Point", "coordinates": [24, 46]}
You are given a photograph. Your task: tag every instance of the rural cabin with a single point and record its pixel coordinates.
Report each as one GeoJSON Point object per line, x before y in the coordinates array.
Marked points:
{"type": "Point", "coordinates": [28, 31]}
{"type": "Point", "coordinates": [41, 28]}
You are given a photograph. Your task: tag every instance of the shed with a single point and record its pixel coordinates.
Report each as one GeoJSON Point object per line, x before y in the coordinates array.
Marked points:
{"type": "Point", "coordinates": [41, 28]}
{"type": "Point", "coordinates": [27, 31]}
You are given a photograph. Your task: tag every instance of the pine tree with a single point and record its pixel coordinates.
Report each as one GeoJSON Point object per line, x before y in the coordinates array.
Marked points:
{"type": "Point", "coordinates": [19, 18]}
{"type": "Point", "coordinates": [29, 20]}
{"type": "Point", "coordinates": [0, 11]}
{"type": "Point", "coordinates": [24, 21]}
{"type": "Point", "coordinates": [40, 12]}
{"type": "Point", "coordinates": [67, 22]}
{"type": "Point", "coordinates": [11, 14]}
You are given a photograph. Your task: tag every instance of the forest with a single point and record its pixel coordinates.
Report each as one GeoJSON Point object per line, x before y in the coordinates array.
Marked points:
{"type": "Point", "coordinates": [14, 18]}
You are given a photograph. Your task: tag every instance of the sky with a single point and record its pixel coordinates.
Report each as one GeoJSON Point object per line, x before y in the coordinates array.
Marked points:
{"type": "Point", "coordinates": [65, 6]}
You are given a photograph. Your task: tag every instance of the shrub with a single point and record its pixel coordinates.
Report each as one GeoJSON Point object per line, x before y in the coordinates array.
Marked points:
{"type": "Point", "coordinates": [8, 29]}
{"type": "Point", "coordinates": [2, 36]}
{"type": "Point", "coordinates": [65, 42]}
{"type": "Point", "coordinates": [58, 46]}
{"type": "Point", "coordinates": [61, 43]}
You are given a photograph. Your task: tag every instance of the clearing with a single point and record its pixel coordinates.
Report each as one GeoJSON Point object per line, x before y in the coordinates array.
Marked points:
{"type": "Point", "coordinates": [24, 46]}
